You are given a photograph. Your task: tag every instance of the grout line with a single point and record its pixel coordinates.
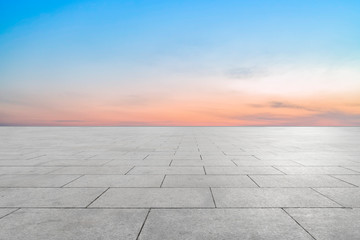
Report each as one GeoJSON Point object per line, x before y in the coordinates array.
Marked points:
{"type": "Point", "coordinates": [212, 195]}
{"type": "Point", "coordinates": [163, 180]}
{"type": "Point", "coordinates": [10, 213]}
{"type": "Point", "coordinates": [171, 162]}
{"type": "Point", "coordinates": [327, 197]}
{"type": "Point", "coordinates": [142, 226]}
{"type": "Point", "coordinates": [298, 223]}
{"type": "Point", "coordinates": [97, 197]}
{"type": "Point", "coordinates": [253, 180]}
{"type": "Point", "coordinates": [278, 170]}
{"type": "Point", "coordinates": [129, 170]}
{"type": "Point", "coordinates": [343, 180]}
{"type": "Point", "coordinates": [146, 157]}
{"type": "Point", "coordinates": [72, 181]}
{"type": "Point", "coordinates": [234, 163]}
{"type": "Point", "coordinates": [204, 170]}
{"type": "Point", "coordinates": [355, 172]}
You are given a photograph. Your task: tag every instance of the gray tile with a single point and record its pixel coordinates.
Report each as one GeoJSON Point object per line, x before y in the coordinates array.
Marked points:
{"type": "Point", "coordinates": [353, 179]}
{"type": "Point", "coordinates": [31, 162]}
{"type": "Point", "coordinates": [326, 162]}
{"type": "Point", "coordinates": [202, 163]}
{"type": "Point", "coordinates": [298, 181]}
{"type": "Point", "coordinates": [88, 162]}
{"type": "Point", "coordinates": [347, 197]}
{"type": "Point", "coordinates": [117, 181]}
{"type": "Point", "coordinates": [270, 197]}
{"type": "Point", "coordinates": [26, 170]}
{"type": "Point", "coordinates": [167, 170]}
{"type": "Point", "coordinates": [229, 224]}
{"type": "Point", "coordinates": [155, 198]}
{"type": "Point", "coordinates": [34, 180]}
{"type": "Point", "coordinates": [265, 163]}
{"type": "Point", "coordinates": [315, 170]}
{"type": "Point", "coordinates": [241, 170]}
{"type": "Point", "coordinates": [185, 181]}
{"type": "Point", "coordinates": [329, 224]}
{"type": "Point", "coordinates": [138, 163]}
{"type": "Point", "coordinates": [48, 197]}
{"type": "Point", "coordinates": [80, 224]}
{"type": "Point", "coordinates": [93, 170]}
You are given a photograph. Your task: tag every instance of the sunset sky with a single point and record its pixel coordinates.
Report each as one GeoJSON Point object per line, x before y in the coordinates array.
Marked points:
{"type": "Point", "coordinates": [180, 63]}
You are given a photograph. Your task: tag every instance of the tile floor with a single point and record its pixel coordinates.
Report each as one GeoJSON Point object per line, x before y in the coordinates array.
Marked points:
{"type": "Point", "coordinates": [179, 183]}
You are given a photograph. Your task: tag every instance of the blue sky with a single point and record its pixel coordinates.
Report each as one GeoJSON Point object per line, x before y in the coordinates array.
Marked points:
{"type": "Point", "coordinates": [86, 50]}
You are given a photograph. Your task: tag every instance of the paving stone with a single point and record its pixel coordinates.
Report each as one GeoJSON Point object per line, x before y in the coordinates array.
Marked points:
{"type": "Point", "coordinates": [88, 162]}
{"type": "Point", "coordinates": [155, 198]}
{"type": "Point", "coordinates": [26, 170]}
{"type": "Point", "coordinates": [93, 170]}
{"type": "Point", "coordinates": [202, 163]}
{"type": "Point", "coordinates": [329, 224]}
{"type": "Point", "coordinates": [265, 163]}
{"type": "Point", "coordinates": [298, 181]}
{"type": "Point", "coordinates": [167, 170]}
{"type": "Point", "coordinates": [48, 197]}
{"type": "Point", "coordinates": [80, 224]}
{"type": "Point", "coordinates": [138, 163]}
{"type": "Point", "coordinates": [270, 197]}
{"type": "Point", "coordinates": [185, 181]}
{"type": "Point", "coordinates": [315, 170]}
{"type": "Point", "coordinates": [217, 224]}
{"type": "Point", "coordinates": [347, 197]}
{"type": "Point", "coordinates": [35, 180]}
{"type": "Point", "coordinates": [117, 181]}
{"type": "Point", "coordinates": [241, 170]}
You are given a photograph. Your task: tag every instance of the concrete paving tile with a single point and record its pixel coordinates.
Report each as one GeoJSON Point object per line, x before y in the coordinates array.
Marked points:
{"type": "Point", "coordinates": [31, 162]}
{"type": "Point", "coordinates": [117, 181]}
{"type": "Point", "coordinates": [329, 224]}
{"type": "Point", "coordinates": [48, 197]}
{"type": "Point", "coordinates": [93, 170]}
{"type": "Point", "coordinates": [138, 163]}
{"type": "Point", "coordinates": [155, 198]}
{"type": "Point", "coordinates": [326, 162]}
{"type": "Point", "coordinates": [270, 197]}
{"type": "Point", "coordinates": [241, 170]}
{"type": "Point", "coordinates": [88, 162]}
{"type": "Point", "coordinates": [315, 170]}
{"type": "Point", "coordinates": [265, 163]}
{"type": "Point", "coordinates": [298, 181]}
{"type": "Point", "coordinates": [347, 197]}
{"type": "Point", "coordinates": [26, 170]}
{"type": "Point", "coordinates": [214, 224]}
{"type": "Point", "coordinates": [80, 224]}
{"type": "Point", "coordinates": [201, 181]}
{"type": "Point", "coordinates": [166, 170]}
{"type": "Point", "coordinates": [202, 163]}
{"type": "Point", "coordinates": [35, 180]}
{"type": "Point", "coordinates": [353, 179]}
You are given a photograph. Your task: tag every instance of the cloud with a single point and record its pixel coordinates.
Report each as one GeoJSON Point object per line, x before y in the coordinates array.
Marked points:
{"type": "Point", "coordinates": [279, 104]}
{"type": "Point", "coordinates": [245, 73]}
{"type": "Point", "coordinates": [330, 118]}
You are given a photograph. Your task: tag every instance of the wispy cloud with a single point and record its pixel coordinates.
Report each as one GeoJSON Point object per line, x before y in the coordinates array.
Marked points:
{"type": "Point", "coordinates": [245, 73]}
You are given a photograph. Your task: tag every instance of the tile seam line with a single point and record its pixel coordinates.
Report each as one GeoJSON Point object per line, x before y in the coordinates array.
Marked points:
{"type": "Point", "coordinates": [97, 197]}
{"type": "Point", "coordinates": [212, 196]}
{"type": "Point", "coordinates": [71, 180]}
{"type": "Point", "coordinates": [253, 181]}
{"type": "Point", "coordinates": [143, 224]}
{"type": "Point", "coordinates": [299, 224]}
{"type": "Point", "coordinates": [327, 197]}
{"type": "Point", "coordinates": [10, 213]}
{"type": "Point", "coordinates": [343, 180]}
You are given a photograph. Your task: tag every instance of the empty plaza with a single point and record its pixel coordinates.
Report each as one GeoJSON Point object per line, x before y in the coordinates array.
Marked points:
{"type": "Point", "coordinates": [179, 183]}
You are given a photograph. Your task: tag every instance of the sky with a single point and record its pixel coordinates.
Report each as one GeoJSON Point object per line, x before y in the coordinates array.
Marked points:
{"type": "Point", "coordinates": [180, 63]}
